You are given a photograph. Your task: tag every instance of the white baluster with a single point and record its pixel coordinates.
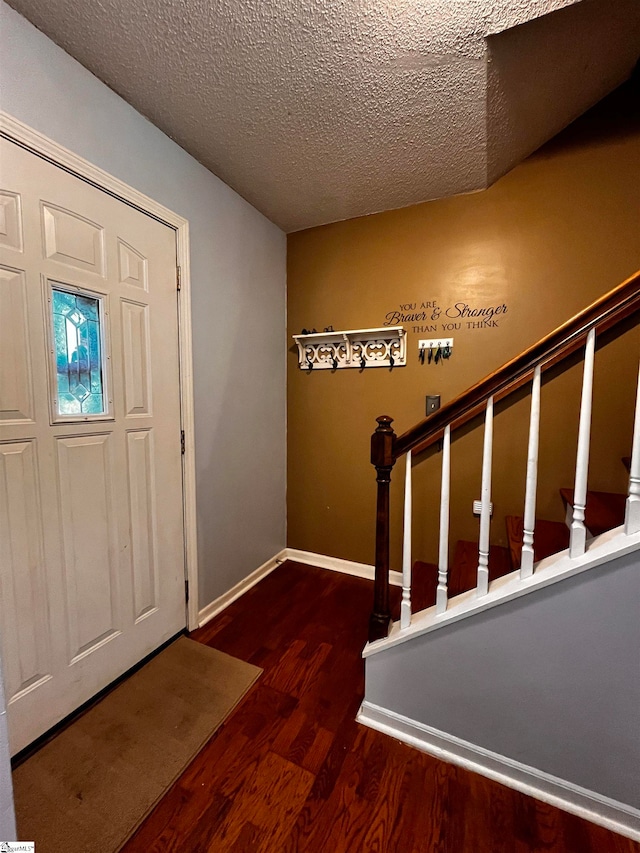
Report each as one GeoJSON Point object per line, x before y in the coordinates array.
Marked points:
{"type": "Point", "coordinates": [405, 607]}
{"type": "Point", "coordinates": [526, 560]}
{"type": "Point", "coordinates": [578, 540]}
{"type": "Point", "coordinates": [485, 498]}
{"type": "Point", "coordinates": [443, 557]}
{"type": "Point", "coordinates": [632, 511]}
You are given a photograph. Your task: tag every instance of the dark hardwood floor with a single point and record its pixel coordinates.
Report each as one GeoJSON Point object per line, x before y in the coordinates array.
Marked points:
{"type": "Point", "coordinates": [292, 771]}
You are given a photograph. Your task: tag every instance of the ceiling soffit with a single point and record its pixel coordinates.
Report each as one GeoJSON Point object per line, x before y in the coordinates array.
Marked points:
{"type": "Point", "coordinates": [317, 110]}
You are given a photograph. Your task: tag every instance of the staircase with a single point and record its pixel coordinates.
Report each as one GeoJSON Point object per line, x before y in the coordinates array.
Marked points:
{"type": "Point", "coordinates": [588, 513]}
{"type": "Point", "coordinates": [476, 587]}
{"type": "Point", "coordinates": [604, 511]}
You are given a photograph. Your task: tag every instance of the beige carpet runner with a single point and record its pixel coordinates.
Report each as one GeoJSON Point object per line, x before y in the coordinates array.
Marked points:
{"type": "Point", "coordinates": [88, 789]}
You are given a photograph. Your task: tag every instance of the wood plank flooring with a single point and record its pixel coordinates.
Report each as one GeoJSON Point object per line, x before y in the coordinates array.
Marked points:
{"type": "Point", "coordinates": [292, 772]}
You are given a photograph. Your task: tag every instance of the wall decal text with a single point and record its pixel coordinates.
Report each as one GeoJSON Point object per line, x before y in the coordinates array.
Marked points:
{"type": "Point", "coordinates": [431, 317]}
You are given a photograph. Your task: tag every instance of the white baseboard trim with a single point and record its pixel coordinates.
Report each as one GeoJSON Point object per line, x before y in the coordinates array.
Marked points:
{"type": "Point", "coordinates": [218, 604]}
{"type": "Point", "coordinates": [335, 564]}
{"type": "Point", "coordinates": [606, 812]}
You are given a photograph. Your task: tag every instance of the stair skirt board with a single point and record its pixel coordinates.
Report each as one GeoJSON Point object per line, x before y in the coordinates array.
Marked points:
{"type": "Point", "coordinates": [551, 570]}
{"type": "Point", "coordinates": [590, 805]}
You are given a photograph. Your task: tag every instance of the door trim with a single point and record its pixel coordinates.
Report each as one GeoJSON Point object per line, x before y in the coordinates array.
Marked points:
{"type": "Point", "coordinates": [34, 141]}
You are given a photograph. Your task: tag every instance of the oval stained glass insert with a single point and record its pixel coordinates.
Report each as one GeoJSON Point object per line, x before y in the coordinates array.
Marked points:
{"type": "Point", "coordinates": [78, 353]}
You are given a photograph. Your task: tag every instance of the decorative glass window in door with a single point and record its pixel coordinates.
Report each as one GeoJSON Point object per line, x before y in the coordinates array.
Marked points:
{"type": "Point", "coordinates": [78, 346]}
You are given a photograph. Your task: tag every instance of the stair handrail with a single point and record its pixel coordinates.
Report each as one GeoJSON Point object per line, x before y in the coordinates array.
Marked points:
{"type": "Point", "coordinates": [555, 347]}
{"type": "Point", "coordinates": [386, 447]}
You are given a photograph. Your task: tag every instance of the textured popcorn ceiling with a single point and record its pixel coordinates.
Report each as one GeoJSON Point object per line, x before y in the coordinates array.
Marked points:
{"type": "Point", "coordinates": [320, 110]}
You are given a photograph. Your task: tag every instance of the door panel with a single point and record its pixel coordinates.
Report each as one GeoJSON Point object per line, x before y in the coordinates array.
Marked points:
{"type": "Point", "coordinates": [10, 221]}
{"type": "Point", "coordinates": [24, 609]}
{"type": "Point", "coordinates": [135, 342]}
{"type": "Point", "coordinates": [90, 540]}
{"type": "Point", "coordinates": [140, 462]}
{"type": "Point", "coordinates": [91, 525]}
{"type": "Point", "coordinates": [16, 391]}
{"type": "Point", "coordinates": [132, 266]}
{"type": "Point", "coordinates": [72, 240]}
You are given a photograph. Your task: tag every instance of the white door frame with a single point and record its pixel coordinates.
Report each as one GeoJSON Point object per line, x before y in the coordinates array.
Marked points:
{"type": "Point", "coordinates": [14, 130]}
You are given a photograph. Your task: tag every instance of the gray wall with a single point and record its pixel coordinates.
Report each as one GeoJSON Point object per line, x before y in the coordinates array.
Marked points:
{"type": "Point", "coordinates": [551, 680]}
{"type": "Point", "coordinates": [238, 262]}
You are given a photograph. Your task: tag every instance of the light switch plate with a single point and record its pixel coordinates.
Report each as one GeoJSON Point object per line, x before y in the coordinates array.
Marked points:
{"type": "Point", "coordinates": [433, 403]}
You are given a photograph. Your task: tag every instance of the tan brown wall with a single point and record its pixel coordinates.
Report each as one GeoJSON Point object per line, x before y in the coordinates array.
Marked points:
{"type": "Point", "coordinates": [547, 239]}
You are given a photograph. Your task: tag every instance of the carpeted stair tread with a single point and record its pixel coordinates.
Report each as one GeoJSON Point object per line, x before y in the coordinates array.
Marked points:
{"type": "Point", "coordinates": [549, 537]}
{"type": "Point", "coordinates": [605, 510]}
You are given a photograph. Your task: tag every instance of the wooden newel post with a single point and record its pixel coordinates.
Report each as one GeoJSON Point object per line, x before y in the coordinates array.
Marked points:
{"type": "Point", "coordinates": [382, 456]}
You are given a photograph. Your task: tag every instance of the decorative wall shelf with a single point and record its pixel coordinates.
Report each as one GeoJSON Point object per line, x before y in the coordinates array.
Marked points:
{"type": "Point", "coordinates": [359, 348]}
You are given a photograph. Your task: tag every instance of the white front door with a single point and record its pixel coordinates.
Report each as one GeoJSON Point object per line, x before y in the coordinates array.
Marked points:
{"type": "Point", "coordinates": [91, 519]}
